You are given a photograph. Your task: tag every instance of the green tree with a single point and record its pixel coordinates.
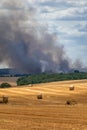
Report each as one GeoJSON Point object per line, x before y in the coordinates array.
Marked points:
{"type": "Point", "coordinates": [5, 85]}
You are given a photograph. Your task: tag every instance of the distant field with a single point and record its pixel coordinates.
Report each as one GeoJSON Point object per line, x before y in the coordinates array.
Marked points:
{"type": "Point", "coordinates": [25, 112]}
{"type": "Point", "coordinates": [11, 80]}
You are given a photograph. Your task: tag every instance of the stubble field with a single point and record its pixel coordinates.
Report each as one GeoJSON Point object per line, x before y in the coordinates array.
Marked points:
{"type": "Point", "coordinates": [25, 112]}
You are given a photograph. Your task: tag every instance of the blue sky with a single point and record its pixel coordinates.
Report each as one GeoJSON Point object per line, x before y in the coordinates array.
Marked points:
{"type": "Point", "coordinates": [68, 20]}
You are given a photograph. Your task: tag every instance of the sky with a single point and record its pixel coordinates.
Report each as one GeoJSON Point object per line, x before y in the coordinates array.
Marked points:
{"type": "Point", "coordinates": [67, 19]}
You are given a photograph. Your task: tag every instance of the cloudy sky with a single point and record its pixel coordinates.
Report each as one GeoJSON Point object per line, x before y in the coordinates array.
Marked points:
{"type": "Point", "coordinates": [67, 19]}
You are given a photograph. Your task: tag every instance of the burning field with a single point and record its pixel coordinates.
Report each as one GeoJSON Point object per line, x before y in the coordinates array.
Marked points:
{"type": "Point", "coordinates": [25, 111]}
{"type": "Point", "coordinates": [28, 46]}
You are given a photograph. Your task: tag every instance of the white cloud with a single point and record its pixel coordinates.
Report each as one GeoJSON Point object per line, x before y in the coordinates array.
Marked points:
{"type": "Point", "coordinates": [72, 13]}
{"type": "Point", "coordinates": [77, 3]}
{"type": "Point", "coordinates": [71, 31]}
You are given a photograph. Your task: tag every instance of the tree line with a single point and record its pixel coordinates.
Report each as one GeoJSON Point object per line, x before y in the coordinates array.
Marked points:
{"type": "Point", "coordinates": [45, 77]}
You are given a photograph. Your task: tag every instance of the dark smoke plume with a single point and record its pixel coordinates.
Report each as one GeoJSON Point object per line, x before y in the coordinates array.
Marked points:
{"type": "Point", "coordinates": [24, 44]}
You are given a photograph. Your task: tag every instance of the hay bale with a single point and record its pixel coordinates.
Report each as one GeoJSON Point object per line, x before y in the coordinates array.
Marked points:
{"type": "Point", "coordinates": [71, 102]}
{"type": "Point", "coordinates": [30, 85]}
{"type": "Point", "coordinates": [5, 99]}
{"type": "Point", "coordinates": [71, 87]}
{"type": "Point", "coordinates": [39, 96]}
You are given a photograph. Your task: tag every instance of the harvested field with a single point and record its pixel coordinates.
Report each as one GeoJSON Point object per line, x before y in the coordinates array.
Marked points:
{"type": "Point", "coordinates": [11, 80]}
{"type": "Point", "coordinates": [25, 112]}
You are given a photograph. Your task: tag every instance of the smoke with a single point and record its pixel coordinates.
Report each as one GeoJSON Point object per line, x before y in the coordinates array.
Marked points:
{"type": "Point", "coordinates": [25, 44]}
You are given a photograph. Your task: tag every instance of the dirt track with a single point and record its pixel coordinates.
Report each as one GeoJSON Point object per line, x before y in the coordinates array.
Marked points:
{"type": "Point", "coordinates": [25, 112]}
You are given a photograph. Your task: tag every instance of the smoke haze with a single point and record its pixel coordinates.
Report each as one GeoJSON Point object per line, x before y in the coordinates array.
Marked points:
{"type": "Point", "coordinates": [25, 44]}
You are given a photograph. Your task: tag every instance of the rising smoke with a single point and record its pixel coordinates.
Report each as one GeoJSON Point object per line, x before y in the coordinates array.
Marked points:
{"type": "Point", "coordinates": [25, 44]}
